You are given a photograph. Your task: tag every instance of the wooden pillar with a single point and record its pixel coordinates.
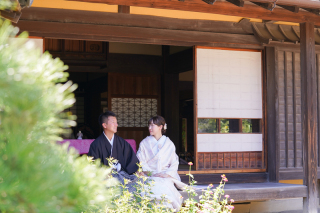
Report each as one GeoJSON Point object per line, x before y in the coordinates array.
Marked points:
{"type": "Point", "coordinates": [170, 99]}
{"type": "Point", "coordinates": [309, 115]}
{"type": "Point", "coordinates": [272, 109]}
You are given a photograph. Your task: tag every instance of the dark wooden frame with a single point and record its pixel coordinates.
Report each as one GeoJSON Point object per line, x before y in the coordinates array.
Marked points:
{"type": "Point", "coordinates": [240, 126]}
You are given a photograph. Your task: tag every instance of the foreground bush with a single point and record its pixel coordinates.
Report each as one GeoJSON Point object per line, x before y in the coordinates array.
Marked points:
{"type": "Point", "coordinates": [211, 200]}
{"type": "Point", "coordinates": [36, 175]}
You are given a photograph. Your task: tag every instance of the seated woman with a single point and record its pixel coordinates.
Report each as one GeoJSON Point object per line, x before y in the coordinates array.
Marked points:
{"type": "Point", "coordinates": [157, 155]}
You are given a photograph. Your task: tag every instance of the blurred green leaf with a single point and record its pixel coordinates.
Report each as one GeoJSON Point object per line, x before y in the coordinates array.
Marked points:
{"type": "Point", "coordinates": [36, 174]}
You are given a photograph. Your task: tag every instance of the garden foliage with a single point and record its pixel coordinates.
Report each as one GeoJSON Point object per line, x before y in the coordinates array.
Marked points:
{"type": "Point", "coordinates": [141, 201]}
{"type": "Point", "coordinates": [36, 175]}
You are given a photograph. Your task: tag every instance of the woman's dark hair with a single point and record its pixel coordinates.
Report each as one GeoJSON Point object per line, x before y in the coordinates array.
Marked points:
{"type": "Point", "coordinates": [104, 117]}
{"type": "Point", "coordinates": [158, 120]}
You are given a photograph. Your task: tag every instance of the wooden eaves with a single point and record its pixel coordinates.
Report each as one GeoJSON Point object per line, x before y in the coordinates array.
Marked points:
{"type": "Point", "coordinates": [120, 27]}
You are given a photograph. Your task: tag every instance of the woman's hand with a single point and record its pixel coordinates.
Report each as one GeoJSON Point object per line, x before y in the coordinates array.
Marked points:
{"type": "Point", "coordinates": [144, 173]}
{"type": "Point", "coordinates": [161, 175]}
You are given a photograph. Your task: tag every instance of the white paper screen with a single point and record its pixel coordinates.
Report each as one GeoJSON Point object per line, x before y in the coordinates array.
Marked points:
{"type": "Point", "coordinates": [229, 86]}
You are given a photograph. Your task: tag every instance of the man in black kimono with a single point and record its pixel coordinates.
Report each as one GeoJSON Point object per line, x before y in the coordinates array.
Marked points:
{"type": "Point", "coordinates": [108, 144]}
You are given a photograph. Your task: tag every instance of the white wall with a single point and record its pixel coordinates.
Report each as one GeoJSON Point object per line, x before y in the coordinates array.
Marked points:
{"type": "Point", "coordinates": [229, 142]}
{"type": "Point", "coordinates": [229, 86]}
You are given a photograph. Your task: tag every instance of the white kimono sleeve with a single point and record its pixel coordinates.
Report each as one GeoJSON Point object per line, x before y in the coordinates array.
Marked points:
{"type": "Point", "coordinates": [142, 157]}
{"type": "Point", "coordinates": [173, 164]}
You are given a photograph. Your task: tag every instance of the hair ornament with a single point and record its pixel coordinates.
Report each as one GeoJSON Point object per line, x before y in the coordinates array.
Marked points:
{"type": "Point", "coordinates": [165, 126]}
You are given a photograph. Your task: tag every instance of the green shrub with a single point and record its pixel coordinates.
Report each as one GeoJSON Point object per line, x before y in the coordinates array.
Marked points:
{"type": "Point", "coordinates": [141, 201]}
{"type": "Point", "coordinates": [36, 175]}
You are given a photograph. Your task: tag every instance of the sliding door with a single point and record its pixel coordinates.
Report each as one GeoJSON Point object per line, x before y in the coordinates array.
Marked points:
{"type": "Point", "coordinates": [229, 110]}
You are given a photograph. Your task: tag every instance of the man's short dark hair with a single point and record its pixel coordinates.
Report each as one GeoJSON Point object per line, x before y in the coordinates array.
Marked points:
{"type": "Point", "coordinates": [104, 117]}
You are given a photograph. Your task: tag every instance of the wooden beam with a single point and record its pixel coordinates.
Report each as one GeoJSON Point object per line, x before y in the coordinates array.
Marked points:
{"type": "Point", "coordinates": [309, 114]}
{"type": "Point", "coordinates": [268, 6]}
{"type": "Point", "coordinates": [224, 8]}
{"type": "Point", "coordinates": [123, 9]}
{"type": "Point", "coordinates": [133, 34]}
{"type": "Point", "coordinates": [239, 3]}
{"type": "Point", "coordinates": [133, 20]}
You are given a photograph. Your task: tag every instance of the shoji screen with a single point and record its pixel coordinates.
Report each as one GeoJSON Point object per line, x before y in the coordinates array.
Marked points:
{"type": "Point", "coordinates": [229, 109]}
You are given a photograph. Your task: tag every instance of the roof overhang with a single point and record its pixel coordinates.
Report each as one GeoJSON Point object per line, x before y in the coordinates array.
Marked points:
{"type": "Point", "coordinates": [119, 27]}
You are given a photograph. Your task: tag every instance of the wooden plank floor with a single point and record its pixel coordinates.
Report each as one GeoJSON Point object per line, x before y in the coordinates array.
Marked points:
{"type": "Point", "coordinates": [244, 192]}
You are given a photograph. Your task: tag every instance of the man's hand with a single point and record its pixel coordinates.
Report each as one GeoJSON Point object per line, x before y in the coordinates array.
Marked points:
{"type": "Point", "coordinates": [140, 174]}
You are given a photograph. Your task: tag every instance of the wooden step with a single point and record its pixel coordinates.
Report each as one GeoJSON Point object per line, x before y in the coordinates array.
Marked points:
{"type": "Point", "coordinates": [244, 192]}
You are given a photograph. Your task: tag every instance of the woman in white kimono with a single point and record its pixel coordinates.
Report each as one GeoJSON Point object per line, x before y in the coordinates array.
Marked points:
{"type": "Point", "coordinates": [157, 155]}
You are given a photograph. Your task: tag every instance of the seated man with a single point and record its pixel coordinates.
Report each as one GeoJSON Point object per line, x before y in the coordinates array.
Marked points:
{"type": "Point", "coordinates": [108, 144]}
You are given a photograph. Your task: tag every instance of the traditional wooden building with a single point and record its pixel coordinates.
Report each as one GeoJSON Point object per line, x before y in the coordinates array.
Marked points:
{"type": "Point", "coordinates": [236, 80]}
